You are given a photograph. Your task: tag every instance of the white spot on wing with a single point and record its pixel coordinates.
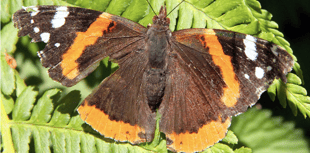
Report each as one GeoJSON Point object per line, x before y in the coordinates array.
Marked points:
{"type": "Point", "coordinates": [59, 17]}
{"type": "Point", "coordinates": [40, 54]}
{"type": "Point", "coordinates": [31, 21]}
{"type": "Point", "coordinates": [45, 37]}
{"type": "Point", "coordinates": [57, 44]}
{"type": "Point", "coordinates": [246, 76]}
{"type": "Point", "coordinates": [36, 29]}
{"type": "Point", "coordinates": [62, 8]}
{"type": "Point", "coordinates": [259, 72]}
{"type": "Point", "coordinates": [250, 47]}
{"type": "Point", "coordinates": [35, 11]}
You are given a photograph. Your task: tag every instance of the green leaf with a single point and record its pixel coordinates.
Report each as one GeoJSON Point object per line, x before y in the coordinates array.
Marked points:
{"type": "Point", "coordinates": [292, 94]}
{"type": "Point", "coordinates": [63, 111]}
{"type": "Point", "coordinates": [297, 95]}
{"type": "Point", "coordinates": [8, 7]}
{"type": "Point", "coordinates": [117, 7]}
{"type": "Point", "coordinates": [41, 140]}
{"type": "Point", "coordinates": [156, 4]}
{"type": "Point", "coordinates": [158, 144]}
{"type": "Point", "coordinates": [292, 78]}
{"type": "Point", "coordinates": [219, 148]}
{"type": "Point", "coordinates": [230, 138]}
{"type": "Point", "coordinates": [185, 16]}
{"type": "Point", "coordinates": [7, 76]}
{"type": "Point", "coordinates": [6, 137]}
{"type": "Point", "coordinates": [8, 103]}
{"type": "Point", "coordinates": [135, 14]}
{"type": "Point", "coordinates": [243, 150]}
{"type": "Point", "coordinates": [298, 71]}
{"type": "Point", "coordinates": [20, 84]}
{"type": "Point", "coordinates": [91, 4]}
{"type": "Point", "coordinates": [24, 104]}
{"type": "Point", "coordinates": [272, 90]}
{"type": "Point", "coordinates": [44, 107]}
{"type": "Point", "coordinates": [8, 38]}
{"type": "Point", "coordinates": [259, 131]}
{"type": "Point", "coordinates": [21, 138]}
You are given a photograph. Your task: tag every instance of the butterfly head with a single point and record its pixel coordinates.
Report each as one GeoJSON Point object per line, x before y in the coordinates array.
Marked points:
{"type": "Point", "coordinates": [161, 18]}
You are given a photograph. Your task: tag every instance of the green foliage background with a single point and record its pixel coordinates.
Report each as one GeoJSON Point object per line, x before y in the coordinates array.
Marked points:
{"type": "Point", "coordinates": [293, 18]}
{"type": "Point", "coordinates": [39, 118]}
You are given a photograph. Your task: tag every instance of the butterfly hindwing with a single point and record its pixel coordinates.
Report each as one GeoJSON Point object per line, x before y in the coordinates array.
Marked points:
{"type": "Point", "coordinates": [190, 120]}
{"type": "Point", "coordinates": [216, 74]}
{"type": "Point", "coordinates": [77, 38]}
{"type": "Point", "coordinates": [118, 107]}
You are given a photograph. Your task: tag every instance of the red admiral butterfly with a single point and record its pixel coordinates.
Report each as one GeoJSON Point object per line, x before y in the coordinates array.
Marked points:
{"type": "Point", "coordinates": [197, 79]}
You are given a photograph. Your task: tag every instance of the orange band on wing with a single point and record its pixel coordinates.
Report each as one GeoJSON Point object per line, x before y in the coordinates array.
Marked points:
{"type": "Point", "coordinates": [231, 92]}
{"type": "Point", "coordinates": [206, 136]}
{"type": "Point", "coordinates": [117, 130]}
{"type": "Point", "coordinates": [69, 64]}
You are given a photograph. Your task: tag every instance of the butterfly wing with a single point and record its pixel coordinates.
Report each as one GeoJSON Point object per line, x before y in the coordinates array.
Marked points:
{"type": "Point", "coordinates": [118, 107]}
{"type": "Point", "coordinates": [213, 75]}
{"type": "Point", "coordinates": [77, 38]}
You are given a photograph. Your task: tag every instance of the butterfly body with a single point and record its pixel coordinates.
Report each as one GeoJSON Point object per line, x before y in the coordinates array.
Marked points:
{"type": "Point", "coordinates": [157, 46]}
{"type": "Point", "coordinates": [196, 79]}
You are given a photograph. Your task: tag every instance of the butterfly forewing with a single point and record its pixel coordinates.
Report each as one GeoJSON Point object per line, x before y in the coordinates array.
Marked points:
{"type": "Point", "coordinates": [77, 39]}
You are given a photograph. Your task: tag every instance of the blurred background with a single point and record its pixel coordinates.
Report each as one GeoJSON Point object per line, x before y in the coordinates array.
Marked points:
{"type": "Point", "coordinates": [293, 19]}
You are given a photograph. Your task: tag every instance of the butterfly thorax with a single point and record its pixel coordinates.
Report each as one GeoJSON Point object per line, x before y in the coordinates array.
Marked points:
{"type": "Point", "coordinates": [157, 40]}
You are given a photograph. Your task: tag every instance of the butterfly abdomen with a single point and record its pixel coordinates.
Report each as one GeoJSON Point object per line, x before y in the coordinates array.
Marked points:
{"type": "Point", "coordinates": [155, 86]}
{"type": "Point", "coordinates": [155, 75]}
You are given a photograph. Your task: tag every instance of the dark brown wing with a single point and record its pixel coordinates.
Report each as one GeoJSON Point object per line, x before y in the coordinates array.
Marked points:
{"type": "Point", "coordinates": [213, 75]}
{"type": "Point", "coordinates": [77, 38]}
{"type": "Point", "coordinates": [118, 107]}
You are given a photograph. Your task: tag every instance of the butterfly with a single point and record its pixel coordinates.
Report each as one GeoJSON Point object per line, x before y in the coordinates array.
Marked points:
{"type": "Point", "coordinates": [196, 79]}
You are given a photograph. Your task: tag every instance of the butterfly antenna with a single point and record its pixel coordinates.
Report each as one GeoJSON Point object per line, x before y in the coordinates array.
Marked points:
{"type": "Point", "coordinates": [175, 7]}
{"type": "Point", "coordinates": [151, 7]}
